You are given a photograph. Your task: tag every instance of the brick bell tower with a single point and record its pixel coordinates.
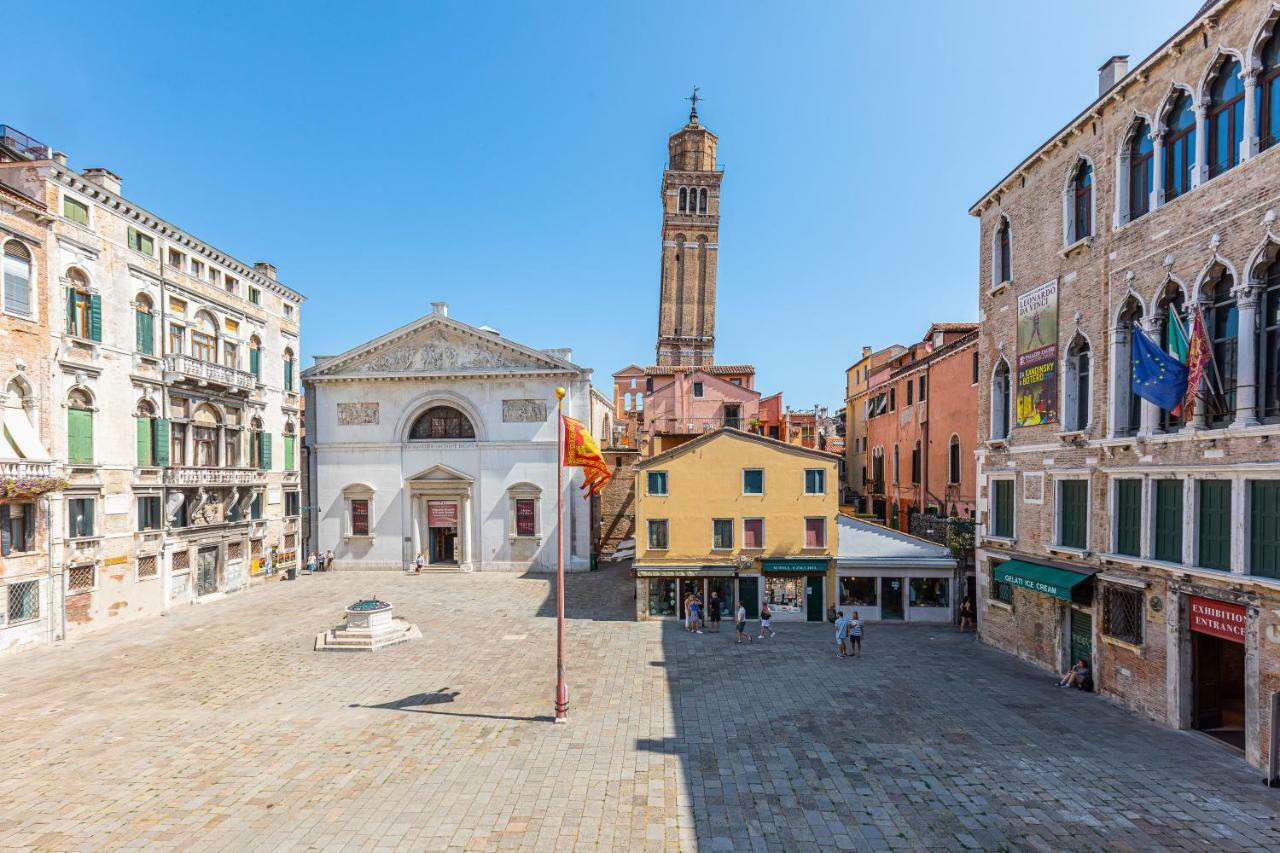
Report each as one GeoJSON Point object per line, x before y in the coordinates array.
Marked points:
{"type": "Point", "coordinates": [690, 240]}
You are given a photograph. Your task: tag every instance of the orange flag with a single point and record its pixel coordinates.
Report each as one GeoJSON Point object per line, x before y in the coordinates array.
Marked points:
{"type": "Point", "coordinates": [581, 451]}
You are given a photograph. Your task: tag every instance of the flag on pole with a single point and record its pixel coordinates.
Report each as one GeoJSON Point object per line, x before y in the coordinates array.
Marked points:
{"type": "Point", "coordinates": [1199, 357]}
{"type": "Point", "coordinates": [1157, 375]}
{"type": "Point", "coordinates": [582, 451]}
{"type": "Point", "coordinates": [1175, 337]}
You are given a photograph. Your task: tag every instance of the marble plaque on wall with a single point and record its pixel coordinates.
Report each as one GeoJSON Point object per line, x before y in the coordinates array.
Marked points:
{"type": "Point", "coordinates": [357, 414]}
{"type": "Point", "coordinates": [524, 411]}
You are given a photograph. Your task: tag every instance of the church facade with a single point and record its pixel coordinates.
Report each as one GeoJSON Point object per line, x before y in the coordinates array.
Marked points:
{"type": "Point", "coordinates": [438, 440]}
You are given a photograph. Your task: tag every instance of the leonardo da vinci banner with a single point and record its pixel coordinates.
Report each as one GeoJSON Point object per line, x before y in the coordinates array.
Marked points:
{"type": "Point", "coordinates": [1038, 356]}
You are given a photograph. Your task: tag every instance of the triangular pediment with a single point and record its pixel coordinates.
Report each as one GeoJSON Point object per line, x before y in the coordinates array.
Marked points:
{"type": "Point", "coordinates": [441, 473]}
{"type": "Point", "coordinates": [437, 346]}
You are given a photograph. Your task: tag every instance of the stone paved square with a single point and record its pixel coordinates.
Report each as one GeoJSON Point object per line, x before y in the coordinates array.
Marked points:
{"type": "Point", "coordinates": [218, 728]}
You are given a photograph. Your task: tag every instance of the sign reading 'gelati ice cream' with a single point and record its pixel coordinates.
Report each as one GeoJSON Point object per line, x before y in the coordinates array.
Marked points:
{"type": "Point", "coordinates": [1217, 618]}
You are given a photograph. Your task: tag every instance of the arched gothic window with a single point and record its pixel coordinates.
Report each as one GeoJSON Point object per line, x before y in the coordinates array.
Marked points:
{"type": "Point", "coordinates": [683, 206]}
{"type": "Point", "coordinates": [1222, 325]}
{"type": "Point", "coordinates": [702, 200]}
{"type": "Point", "coordinates": [1269, 351]}
{"type": "Point", "coordinates": [1081, 222]}
{"type": "Point", "coordinates": [1269, 93]}
{"type": "Point", "coordinates": [1002, 254]}
{"type": "Point", "coordinates": [895, 464]}
{"type": "Point", "coordinates": [953, 461]}
{"type": "Point", "coordinates": [204, 338]}
{"type": "Point", "coordinates": [1001, 402]}
{"type": "Point", "coordinates": [1226, 118]}
{"type": "Point", "coordinates": [17, 278]}
{"type": "Point", "coordinates": [1170, 309]}
{"type": "Point", "coordinates": [1141, 164]}
{"type": "Point", "coordinates": [1128, 414]}
{"type": "Point", "coordinates": [442, 422]}
{"type": "Point", "coordinates": [1179, 147]}
{"type": "Point", "coordinates": [1075, 409]}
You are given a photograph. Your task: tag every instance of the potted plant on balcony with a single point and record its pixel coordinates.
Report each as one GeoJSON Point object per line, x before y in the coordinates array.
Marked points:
{"type": "Point", "coordinates": [18, 488]}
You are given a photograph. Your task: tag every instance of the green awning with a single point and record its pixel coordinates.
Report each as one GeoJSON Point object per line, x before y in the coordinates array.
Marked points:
{"type": "Point", "coordinates": [1038, 578]}
{"type": "Point", "coordinates": [659, 571]}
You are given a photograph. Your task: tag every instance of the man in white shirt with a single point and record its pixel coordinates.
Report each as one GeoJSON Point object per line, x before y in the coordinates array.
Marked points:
{"type": "Point", "coordinates": [842, 633]}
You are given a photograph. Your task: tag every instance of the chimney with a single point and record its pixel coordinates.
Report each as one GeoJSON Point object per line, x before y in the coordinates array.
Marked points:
{"type": "Point", "coordinates": [866, 352]}
{"type": "Point", "coordinates": [60, 157]}
{"type": "Point", "coordinates": [1111, 72]}
{"type": "Point", "coordinates": [104, 178]}
{"type": "Point", "coordinates": [441, 308]}
{"type": "Point", "coordinates": [269, 270]}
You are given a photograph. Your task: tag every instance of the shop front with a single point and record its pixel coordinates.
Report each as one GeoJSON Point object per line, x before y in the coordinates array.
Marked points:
{"type": "Point", "coordinates": [889, 576]}
{"type": "Point", "coordinates": [661, 590]}
{"type": "Point", "coordinates": [795, 589]}
{"type": "Point", "coordinates": [1063, 591]}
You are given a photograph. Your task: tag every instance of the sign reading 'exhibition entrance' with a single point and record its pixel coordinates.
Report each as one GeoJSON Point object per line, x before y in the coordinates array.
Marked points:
{"type": "Point", "coordinates": [1217, 618]}
{"type": "Point", "coordinates": [1037, 394]}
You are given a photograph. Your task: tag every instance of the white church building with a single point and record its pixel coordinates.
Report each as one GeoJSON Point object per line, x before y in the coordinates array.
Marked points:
{"type": "Point", "coordinates": [439, 439]}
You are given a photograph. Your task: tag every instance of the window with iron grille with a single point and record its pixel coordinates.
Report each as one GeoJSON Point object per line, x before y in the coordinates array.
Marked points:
{"type": "Point", "coordinates": [1000, 591]}
{"type": "Point", "coordinates": [80, 578]}
{"type": "Point", "coordinates": [290, 540]}
{"type": "Point", "coordinates": [23, 601]}
{"type": "Point", "coordinates": [255, 548]}
{"type": "Point", "coordinates": [1122, 614]}
{"type": "Point", "coordinates": [234, 550]}
{"type": "Point", "coordinates": [147, 566]}
{"type": "Point", "coordinates": [181, 561]}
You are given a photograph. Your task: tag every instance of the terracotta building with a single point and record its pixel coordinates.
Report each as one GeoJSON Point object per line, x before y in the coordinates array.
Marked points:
{"type": "Point", "coordinates": [1112, 530]}
{"type": "Point", "coordinates": [857, 456]}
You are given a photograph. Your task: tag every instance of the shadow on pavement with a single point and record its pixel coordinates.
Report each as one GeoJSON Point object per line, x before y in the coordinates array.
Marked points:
{"type": "Point", "coordinates": [421, 703]}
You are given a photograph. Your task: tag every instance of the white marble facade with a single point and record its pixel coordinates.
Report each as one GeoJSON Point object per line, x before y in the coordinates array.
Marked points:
{"type": "Point", "coordinates": [439, 439]}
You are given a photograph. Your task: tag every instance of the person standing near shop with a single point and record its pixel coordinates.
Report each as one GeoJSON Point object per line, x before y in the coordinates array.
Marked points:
{"type": "Point", "coordinates": [740, 623]}
{"type": "Point", "coordinates": [311, 563]}
{"type": "Point", "coordinates": [966, 615]}
{"type": "Point", "coordinates": [766, 622]}
{"type": "Point", "coordinates": [713, 612]}
{"type": "Point", "coordinates": [855, 636]}
{"type": "Point", "coordinates": [328, 559]}
{"type": "Point", "coordinates": [842, 634]}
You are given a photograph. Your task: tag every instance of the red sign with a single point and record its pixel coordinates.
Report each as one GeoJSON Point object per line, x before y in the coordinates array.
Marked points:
{"type": "Point", "coordinates": [525, 525]}
{"type": "Point", "coordinates": [1217, 618]}
{"type": "Point", "coordinates": [442, 514]}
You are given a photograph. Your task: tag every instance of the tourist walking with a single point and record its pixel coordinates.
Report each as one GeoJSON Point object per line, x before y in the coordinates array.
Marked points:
{"type": "Point", "coordinates": [713, 612]}
{"type": "Point", "coordinates": [417, 564]}
{"type": "Point", "coordinates": [855, 636]}
{"type": "Point", "coordinates": [695, 614]}
{"type": "Point", "coordinates": [766, 622]}
{"type": "Point", "coordinates": [842, 634]}
{"type": "Point", "coordinates": [740, 623]}
{"type": "Point", "coordinates": [311, 563]}
{"type": "Point", "coordinates": [966, 615]}
{"type": "Point", "coordinates": [328, 560]}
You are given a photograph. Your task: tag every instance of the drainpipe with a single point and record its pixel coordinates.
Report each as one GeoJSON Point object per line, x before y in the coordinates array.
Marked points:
{"type": "Point", "coordinates": [924, 443]}
{"type": "Point", "coordinates": [48, 544]}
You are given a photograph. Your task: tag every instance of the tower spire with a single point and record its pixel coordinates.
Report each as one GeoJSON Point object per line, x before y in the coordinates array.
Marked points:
{"type": "Point", "coordinates": [693, 105]}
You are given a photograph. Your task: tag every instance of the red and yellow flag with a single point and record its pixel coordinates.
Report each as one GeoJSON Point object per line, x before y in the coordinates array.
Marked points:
{"type": "Point", "coordinates": [1199, 356]}
{"type": "Point", "coordinates": [581, 451]}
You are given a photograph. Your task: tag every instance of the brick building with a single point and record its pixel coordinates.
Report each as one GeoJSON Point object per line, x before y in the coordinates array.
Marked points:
{"type": "Point", "coordinates": [168, 395]}
{"type": "Point", "coordinates": [1110, 529]}
{"type": "Point", "coordinates": [857, 387]}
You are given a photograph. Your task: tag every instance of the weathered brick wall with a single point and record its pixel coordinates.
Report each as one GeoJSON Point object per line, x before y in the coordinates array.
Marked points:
{"type": "Point", "coordinates": [1137, 677]}
{"type": "Point", "coordinates": [617, 500]}
{"type": "Point", "coordinates": [1029, 629]}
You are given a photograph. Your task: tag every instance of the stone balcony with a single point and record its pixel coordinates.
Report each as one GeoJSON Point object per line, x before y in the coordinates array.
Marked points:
{"type": "Point", "coordinates": [214, 476]}
{"type": "Point", "coordinates": [183, 367]}
{"type": "Point", "coordinates": [25, 469]}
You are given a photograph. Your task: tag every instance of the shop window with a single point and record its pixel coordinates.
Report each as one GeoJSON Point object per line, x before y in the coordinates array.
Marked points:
{"type": "Point", "coordinates": [1264, 528]}
{"type": "Point", "coordinates": [17, 528]}
{"type": "Point", "coordinates": [721, 534]}
{"type": "Point", "coordinates": [656, 483]}
{"type": "Point", "coordinates": [858, 592]}
{"type": "Point", "coordinates": [1214, 507]}
{"type": "Point", "coordinates": [23, 600]}
{"type": "Point", "coordinates": [753, 533]}
{"type": "Point", "coordinates": [662, 597]}
{"type": "Point", "coordinates": [1128, 517]}
{"type": "Point", "coordinates": [1122, 614]}
{"type": "Point", "coordinates": [658, 534]}
{"type": "Point", "coordinates": [1002, 508]}
{"type": "Point", "coordinates": [815, 533]}
{"type": "Point", "coordinates": [929, 592]}
{"type": "Point", "coordinates": [1073, 513]}
{"type": "Point", "coordinates": [753, 481]}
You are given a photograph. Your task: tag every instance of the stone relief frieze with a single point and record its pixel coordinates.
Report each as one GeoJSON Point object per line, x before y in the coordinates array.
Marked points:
{"type": "Point", "coordinates": [440, 351]}
{"type": "Point", "coordinates": [357, 414]}
{"type": "Point", "coordinates": [524, 411]}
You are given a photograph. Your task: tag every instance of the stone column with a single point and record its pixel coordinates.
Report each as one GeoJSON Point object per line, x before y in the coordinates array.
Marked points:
{"type": "Point", "coordinates": [1249, 144]}
{"type": "Point", "coordinates": [1247, 298]}
{"type": "Point", "coordinates": [1200, 173]}
{"type": "Point", "coordinates": [1150, 414]}
{"type": "Point", "coordinates": [466, 540]}
{"type": "Point", "coordinates": [417, 505]}
{"type": "Point", "coordinates": [1157, 169]}
{"type": "Point", "coordinates": [1120, 384]}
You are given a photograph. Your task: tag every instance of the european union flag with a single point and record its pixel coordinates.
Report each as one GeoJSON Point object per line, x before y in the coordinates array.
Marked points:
{"type": "Point", "coordinates": [1157, 376]}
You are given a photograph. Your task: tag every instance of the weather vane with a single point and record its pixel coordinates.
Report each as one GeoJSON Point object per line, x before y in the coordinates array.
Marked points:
{"type": "Point", "coordinates": [693, 103]}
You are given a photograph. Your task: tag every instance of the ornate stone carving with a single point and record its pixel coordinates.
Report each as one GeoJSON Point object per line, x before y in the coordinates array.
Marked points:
{"type": "Point", "coordinates": [438, 351]}
{"type": "Point", "coordinates": [357, 414]}
{"type": "Point", "coordinates": [524, 411]}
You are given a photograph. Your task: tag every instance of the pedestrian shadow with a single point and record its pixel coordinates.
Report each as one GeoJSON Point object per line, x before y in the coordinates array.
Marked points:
{"type": "Point", "coordinates": [422, 703]}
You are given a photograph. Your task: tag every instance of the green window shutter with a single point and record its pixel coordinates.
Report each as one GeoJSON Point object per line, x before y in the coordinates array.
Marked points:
{"type": "Point", "coordinates": [253, 363]}
{"type": "Point", "coordinates": [144, 442]}
{"type": "Point", "coordinates": [161, 441]}
{"type": "Point", "coordinates": [288, 374]}
{"type": "Point", "coordinates": [1128, 517]}
{"type": "Point", "coordinates": [95, 317]}
{"type": "Point", "coordinates": [1004, 508]}
{"type": "Point", "coordinates": [1169, 521]}
{"type": "Point", "coordinates": [288, 453]}
{"type": "Point", "coordinates": [1215, 524]}
{"type": "Point", "coordinates": [71, 310]}
{"type": "Point", "coordinates": [1074, 498]}
{"type": "Point", "coordinates": [1264, 528]}
{"type": "Point", "coordinates": [146, 333]}
{"type": "Point", "coordinates": [264, 454]}
{"type": "Point", "coordinates": [80, 436]}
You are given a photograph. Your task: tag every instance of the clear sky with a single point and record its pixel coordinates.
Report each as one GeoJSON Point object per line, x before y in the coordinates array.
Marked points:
{"type": "Point", "coordinates": [506, 157]}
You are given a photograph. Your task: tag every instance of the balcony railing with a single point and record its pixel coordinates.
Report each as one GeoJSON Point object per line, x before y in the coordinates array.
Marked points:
{"type": "Point", "coordinates": [23, 144]}
{"type": "Point", "coordinates": [204, 371]}
{"type": "Point", "coordinates": [214, 476]}
{"type": "Point", "coordinates": [693, 426]}
{"type": "Point", "coordinates": [23, 469]}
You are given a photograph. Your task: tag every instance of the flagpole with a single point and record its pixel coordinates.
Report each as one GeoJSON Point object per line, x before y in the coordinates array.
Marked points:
{"type": "Point", "coordinates": [562, 689]}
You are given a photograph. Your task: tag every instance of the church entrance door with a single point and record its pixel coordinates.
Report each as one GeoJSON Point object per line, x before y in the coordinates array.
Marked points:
{"type": "Point", "coordinates": [442, 524]}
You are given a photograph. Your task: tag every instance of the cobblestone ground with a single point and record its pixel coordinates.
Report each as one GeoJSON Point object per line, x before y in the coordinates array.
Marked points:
{"type": "Point", "coordinates": [218, 728]}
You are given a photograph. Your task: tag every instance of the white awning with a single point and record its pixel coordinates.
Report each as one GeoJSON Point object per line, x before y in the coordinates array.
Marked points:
{"type": "Point", "coordinates": [22, 437]}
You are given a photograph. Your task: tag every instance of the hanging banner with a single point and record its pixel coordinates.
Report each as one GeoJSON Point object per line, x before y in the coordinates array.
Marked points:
{"type": "Point", "coordinates": [442, 514]}
{"type": "Point", "coordinates": [1037, 392]}
{"type": "Point", "coordinates": [1217, 618]}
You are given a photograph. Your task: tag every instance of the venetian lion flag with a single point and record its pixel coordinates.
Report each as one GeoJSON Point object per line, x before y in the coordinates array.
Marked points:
{"type": "Point", "coordinates": [1199, 357]}
{"type": "Point", "coordinates": [582, 451]}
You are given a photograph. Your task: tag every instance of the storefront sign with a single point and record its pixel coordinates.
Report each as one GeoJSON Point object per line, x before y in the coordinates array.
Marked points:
{"type": "Point", "coordinates": [1046, 580]}
{"type": "Point", "coordinates": [442, 514]}
{"type": "Point", "coordinates": [806, 566]}
{"type": "Point", "coordinates": [1217, 618]}
{"type": "Point", "coordinates": [1037, 391]}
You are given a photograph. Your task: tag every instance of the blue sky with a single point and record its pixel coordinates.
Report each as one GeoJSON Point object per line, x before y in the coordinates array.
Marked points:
{"type": "Point", "coordinates": [506, 157]}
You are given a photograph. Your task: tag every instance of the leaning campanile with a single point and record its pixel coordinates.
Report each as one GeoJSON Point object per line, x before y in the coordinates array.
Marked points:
{"type": "Point", "coordinates": [690, 240]}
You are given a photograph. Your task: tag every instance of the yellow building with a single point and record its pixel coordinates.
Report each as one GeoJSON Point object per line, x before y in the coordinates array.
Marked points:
{"type": "Point", "coordinates": [747, 517]}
